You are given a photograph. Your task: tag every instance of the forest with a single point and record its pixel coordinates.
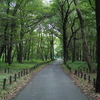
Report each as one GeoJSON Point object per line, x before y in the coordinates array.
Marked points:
{"type": "Point", "coordinates": [42, 30]}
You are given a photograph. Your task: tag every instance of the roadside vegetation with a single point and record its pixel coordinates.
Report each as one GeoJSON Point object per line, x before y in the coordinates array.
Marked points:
{"type": "Point", "coordinates": [36, 29]}
{"type": "Point", "coordinates": [12, 89]}
{"type": "Point", "coordinates": [75, 65]}
{"type": "Point", "coordinates": [84, 79]}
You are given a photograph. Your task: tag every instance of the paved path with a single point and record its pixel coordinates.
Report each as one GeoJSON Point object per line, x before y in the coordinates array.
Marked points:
{"type": "Point", "coordinates": [51, 83]}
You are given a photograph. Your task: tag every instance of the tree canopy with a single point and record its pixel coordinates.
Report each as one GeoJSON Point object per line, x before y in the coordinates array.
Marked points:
{"type": "Point", "coordinates": [45, 29]}
{"type": "Point", "coordinates": [37, 22]}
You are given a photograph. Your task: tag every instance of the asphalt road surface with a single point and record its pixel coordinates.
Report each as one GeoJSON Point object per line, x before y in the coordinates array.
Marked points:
{"type": "Point", "coordinates": [51, 83]}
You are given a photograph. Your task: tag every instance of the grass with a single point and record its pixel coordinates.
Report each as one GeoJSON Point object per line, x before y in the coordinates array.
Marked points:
{"type": "Point", "coordinates": [76, 64]}
{"type": "Point", "coordinates": [10, 88]}
{"type": "Point", "coordinates": [64, 66]}
{"type": "Point", "coordinates": [87, 88]}
{"type": "Point", "coordinates": [15, 68]}
{"type": "Point", "coordinates": [25, 64]}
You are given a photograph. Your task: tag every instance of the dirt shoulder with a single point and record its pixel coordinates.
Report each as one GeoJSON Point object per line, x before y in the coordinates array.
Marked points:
{"type": "Point", "coordinates": [83, 85]}
{"type": "Point", "coordinates": [86, 87]}
{"type": "Point", "coordinates": [21, 85]}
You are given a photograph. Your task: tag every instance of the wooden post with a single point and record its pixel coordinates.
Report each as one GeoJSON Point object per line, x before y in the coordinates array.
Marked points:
{"type": "Point", "coordinates": [84, 76]}
{"type": "Point", "coordinates": [19, 74]}
{"type": "Point", "coordinates": [24, 71]}
{"type": "Point", "coordinates": [78, 73]}
{"type": "Point", "coordinates": [27, 70]}
{"type": "Point", "coordinates": [81, 74]}
{"type": "Point", "coordinates": [4, 83]}
{"type": "Point", "coordinates": [75, 72]}
{"type": "Point", "coordinates": [94, 82]}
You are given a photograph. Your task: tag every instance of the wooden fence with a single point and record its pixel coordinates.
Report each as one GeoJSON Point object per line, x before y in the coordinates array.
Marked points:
{"type": "Point", "coordinates": [19, 74]}
{"type": "Point", "coordinates": [85, 74]}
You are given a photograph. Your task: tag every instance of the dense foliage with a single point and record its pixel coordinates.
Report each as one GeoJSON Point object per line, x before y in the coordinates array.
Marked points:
{"type": "Point", "coordinates": [22, 35]}
{"type": "Point", "coordinates": [36, 29]}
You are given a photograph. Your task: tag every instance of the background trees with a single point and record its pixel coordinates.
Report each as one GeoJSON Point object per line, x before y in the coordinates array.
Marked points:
{"type": "Point", "coordinates": [20, 20]}
{"type": "Point", "coordinates": [24, 23]}
{"type": "Point", "coordinates": [29, 29]}
{"type": "Point", "coordinates": [85, 45]}
{"type": "Point", "coordinates": [77, 29]}
{"type": "Point", "coordinates": [32, 29]}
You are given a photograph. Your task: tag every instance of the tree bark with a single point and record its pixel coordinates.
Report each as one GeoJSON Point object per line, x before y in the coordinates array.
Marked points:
{"type": "Point", "coordinates": [65, 49]}
{"type": "Point", "coordinates": [20, 53]}
{"type": "Point", "coordinates": [13, 30]}
{"type": "Point", "coordinates": [97, 2]}
{"type": "Point", "coordinates": [52, 46]}
{"type": "Point", "coordinates": [74, 50]}
{"type": "Point", "coordinates": [85, 45]}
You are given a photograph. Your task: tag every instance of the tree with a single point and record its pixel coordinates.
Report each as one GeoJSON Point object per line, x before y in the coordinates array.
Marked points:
{"type": "Point", "coordinates": [19, 19]}
{"type": "Point", "coordinates": [64, 9]}
{"type": "Point", "coordinates": [98, 44]}
{"type": "Point", "coordinates": [85, 45]}
{"type": "Point", "coordinates": [21, 37]}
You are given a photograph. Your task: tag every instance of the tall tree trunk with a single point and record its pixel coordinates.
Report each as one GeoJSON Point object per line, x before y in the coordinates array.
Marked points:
{"type": "Point", "coordinates": [64, 17]}
{"type": "Point", "coordinates": [6, 34]}
{"type": "Point", "coordinates": [28, 53]}
{"type": "Point", "coordinates": [13, 30]}
{"type": "Point", "coordinates": [5, 41]}
{"type": "Point", "coordinates": [85, 45]}
{"type": "Point", "coordinates": [97, 2]}
{"type": "Point", "coordinates": [9, 55]}
{"type": "Point", "coordinates": [20, 50]}
{"type": "Point", "coordinates": [94, 54]}
{"type": "Point", "coordinates": [2, 50]}
{"type": "Point", "coordinates": [9, 46]}
{"type": "Point", "coordinates": [20, 53]}
{"type": "Point", "coordinates": [52, 47]}
{"type": "Point", "coordinates": [65, 51]}
{"type": "Point", "coordinates": [80, 53]}
{"type": "Point", "coordinates": [74, 50]}
{"type": "Point", "coordinates": [90, 44]}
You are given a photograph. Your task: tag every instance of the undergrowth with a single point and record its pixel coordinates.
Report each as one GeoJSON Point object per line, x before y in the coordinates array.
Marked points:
{"type": "Point", "coordinates": [15, 68]}
{"type": "Point", "coordinates": [76, 64]}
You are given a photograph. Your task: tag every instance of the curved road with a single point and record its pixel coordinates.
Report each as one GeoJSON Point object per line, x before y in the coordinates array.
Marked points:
{"type": "Point", "coordinates": [51, 83]}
